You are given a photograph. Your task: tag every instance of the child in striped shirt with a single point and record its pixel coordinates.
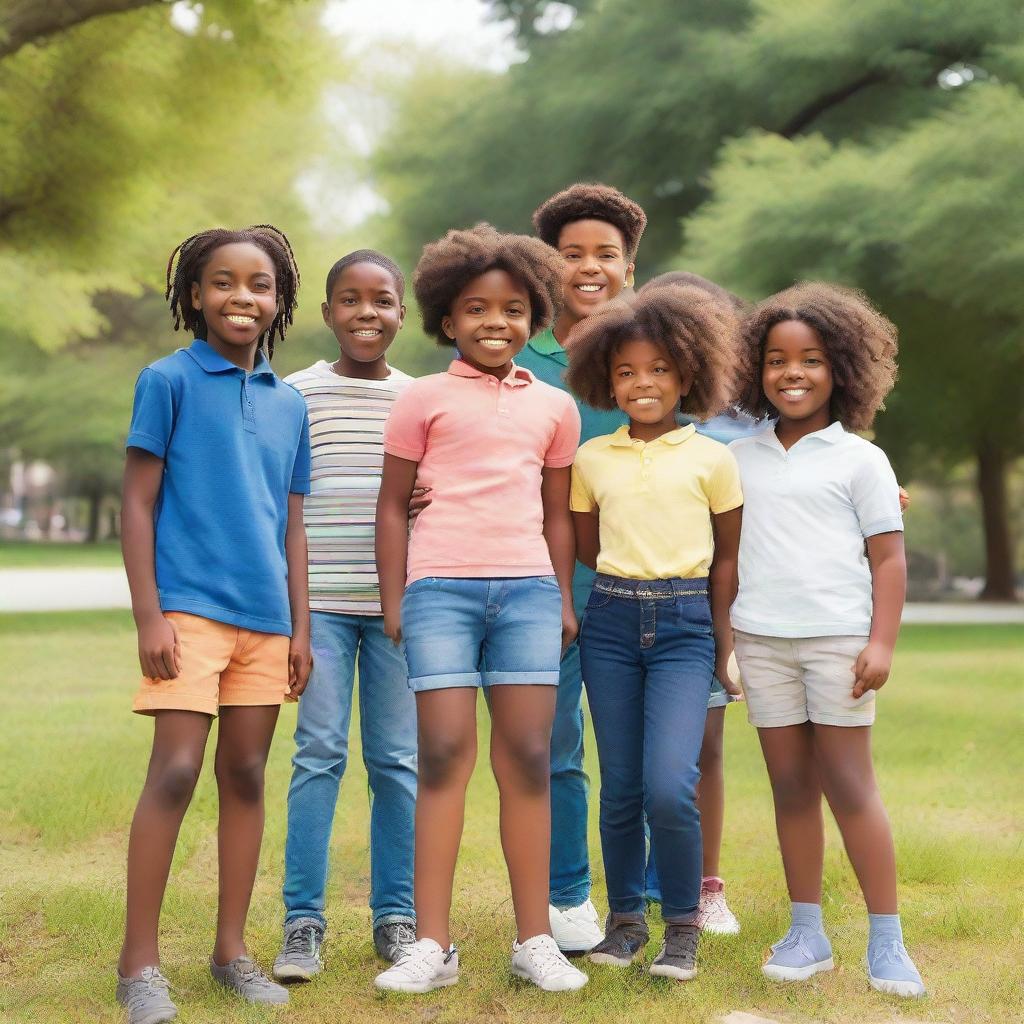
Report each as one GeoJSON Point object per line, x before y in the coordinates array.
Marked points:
{"type": "Point", "coordinates": [348, 402]}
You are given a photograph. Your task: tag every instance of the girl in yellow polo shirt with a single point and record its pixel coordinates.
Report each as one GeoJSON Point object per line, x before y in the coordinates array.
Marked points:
{"type": "Point", "coordinates": [657, 509]}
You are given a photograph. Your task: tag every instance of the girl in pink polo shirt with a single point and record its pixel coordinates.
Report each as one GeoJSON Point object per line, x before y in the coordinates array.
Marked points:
{"type": "Point", "coordinates": [480, 591]}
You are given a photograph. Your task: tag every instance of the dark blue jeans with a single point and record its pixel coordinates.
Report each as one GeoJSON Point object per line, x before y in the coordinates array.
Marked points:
{"type": "Point", "coordinates": [648, 653]}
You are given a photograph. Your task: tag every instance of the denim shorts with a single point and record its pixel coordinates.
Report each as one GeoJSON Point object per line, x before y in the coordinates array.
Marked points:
{"type": "Point", "coordinates": [482, 632]}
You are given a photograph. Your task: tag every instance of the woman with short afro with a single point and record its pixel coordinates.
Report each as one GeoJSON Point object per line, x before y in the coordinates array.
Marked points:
{"type": "Point", "coordinates": [822, 577]}
{"type": "Point", "coordinates": [480, 592]}
{"type": "Point", "coordinates": [657, 509]}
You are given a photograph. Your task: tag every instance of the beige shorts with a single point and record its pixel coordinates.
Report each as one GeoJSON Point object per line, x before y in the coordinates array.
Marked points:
{"type": "Point", "coordinates": [221, 666]}
{"type": "Point", "coordinates": [788, 681]}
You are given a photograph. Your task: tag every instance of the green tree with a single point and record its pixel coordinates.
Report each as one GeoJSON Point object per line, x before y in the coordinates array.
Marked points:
{"type": "Point", "coordinates": [125, 134]}
{"type": "Point", "coordinates": [931, 228]}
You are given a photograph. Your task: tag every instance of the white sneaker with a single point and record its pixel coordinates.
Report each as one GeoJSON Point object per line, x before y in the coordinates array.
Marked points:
{"type": "Point", "coordinates": [541, 961]}
{"type": "Point", "coordinates": [576, 929]}
{"type": "Point", "coordinates": [425, 966]}
{"type": "Point", "coordinates": [713, 914]}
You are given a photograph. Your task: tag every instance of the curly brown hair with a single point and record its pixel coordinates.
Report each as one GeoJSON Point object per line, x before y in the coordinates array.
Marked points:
{"type": "Point", "coordinates": [860, 341]}
{"type": "Point", "coordinates": [697, 331]}
{"type": "Point", "coordinates": [591, 202]}
{"type": "Point", "coordinates": [450, 263]}
{"type": "Point", "coordinates": [685, 277]}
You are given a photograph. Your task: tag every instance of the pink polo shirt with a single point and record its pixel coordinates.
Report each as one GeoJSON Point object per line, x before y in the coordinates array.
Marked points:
{"type": "Point", "coordinates": [481, 445]}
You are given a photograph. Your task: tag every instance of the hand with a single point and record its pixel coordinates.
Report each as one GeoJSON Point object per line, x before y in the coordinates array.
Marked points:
{"type": "Point", "coordinates": [904, 499]}
{"type": "Point", "coordinates": [419, 501]}
{"type": "Point", "coordinates": [159, 648]}
{"type": "Point", "coordinates": [300, 664]}
{"type": "Point", "coordinates": [393, 627]}
{"type": "Point", "coordinates": [871, 669]}
{"type": "Point", "coordinates": [570, 624]}
{"type": "Point", "coordinates": [723, 670]}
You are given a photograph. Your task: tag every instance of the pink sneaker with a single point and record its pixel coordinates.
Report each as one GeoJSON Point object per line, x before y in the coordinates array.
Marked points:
{"type": "Point", "coordinates": [714, 915]}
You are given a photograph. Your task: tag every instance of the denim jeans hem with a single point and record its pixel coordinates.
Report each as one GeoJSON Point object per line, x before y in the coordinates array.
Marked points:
{"type": "Point", "coordinates": [569, 899]}
{"type": "Point", "coordinates": [672, 916]}
{"type": "Point", "coordinates": [294, 915]}
{"type": "Point", "coordinates": [636, 905]}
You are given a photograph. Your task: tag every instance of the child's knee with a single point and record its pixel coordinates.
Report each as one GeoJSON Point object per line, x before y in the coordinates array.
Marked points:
{"type": "Point", "coordinates": [849, 793]}
{"type": "Point", "coordinates": [174, 781]}
{"type": "Point", "coordinates": [242, 778]}
{"type": "Point", "coordinates": [795, 792]}
{"type": "Point", "coordinates": [671, 802]}
{"type": "Point", "coordinates": [445, 759]}
{"type": "Point", "coordinates": [530, 757]}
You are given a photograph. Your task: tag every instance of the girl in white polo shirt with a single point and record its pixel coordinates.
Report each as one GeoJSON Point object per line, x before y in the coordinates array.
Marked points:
{"type": "Point", "coordinates": [821, 587]}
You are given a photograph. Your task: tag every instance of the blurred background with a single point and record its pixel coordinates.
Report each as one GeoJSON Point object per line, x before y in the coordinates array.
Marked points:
{"type": "Point", "coordinates": [879, 144]}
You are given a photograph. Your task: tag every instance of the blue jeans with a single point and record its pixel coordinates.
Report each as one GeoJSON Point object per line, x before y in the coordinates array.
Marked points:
{"type": "Point", "coordinates": [570, 859]}
{"type": "Point", "coordinates": [648, 656]}
{"type": "Point", "coordinates": [387, 718]}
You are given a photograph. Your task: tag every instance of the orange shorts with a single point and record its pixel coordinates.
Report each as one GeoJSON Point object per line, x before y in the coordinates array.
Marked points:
{"type": "Point", "coordinates": [221, 665]}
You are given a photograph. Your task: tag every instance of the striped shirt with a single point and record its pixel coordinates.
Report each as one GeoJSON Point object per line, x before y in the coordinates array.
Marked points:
{"type": "Point", "coordinates": [346, 435]}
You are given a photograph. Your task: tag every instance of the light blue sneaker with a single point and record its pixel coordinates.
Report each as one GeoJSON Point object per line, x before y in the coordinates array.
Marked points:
{"type": "Point", "coordinates": [890, 969]}
{"type": "Point", "coordinates": [800, 954]}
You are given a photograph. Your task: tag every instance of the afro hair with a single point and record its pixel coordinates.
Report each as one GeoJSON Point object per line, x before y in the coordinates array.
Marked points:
{"type": "Point", "coordinates": [450, 263]}
{"type": "Point", "coordinates": [860, 341]}
{"type": "Point", "coordinates": [697, 330]}
{"type": "Point", "coordinates": [684, 277]}
{"type": "Point", "coordinates": [591, 202]}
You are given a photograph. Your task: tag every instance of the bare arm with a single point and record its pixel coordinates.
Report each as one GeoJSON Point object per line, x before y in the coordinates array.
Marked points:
{"type": "Point", "coordinates": [159, 653]}
{"type": "Point", "coordinates": [723, 578]}
{"type": "Point", "coordinates": [588, 534]}
{"type": "Point", "coordinates": [888, 590]}
{"type": "Point", "coordinates": [561, 540]}
{"type": "Point", "coordinates": [392, 542]}
{"type": "Point", "coordinates": [300, 658]}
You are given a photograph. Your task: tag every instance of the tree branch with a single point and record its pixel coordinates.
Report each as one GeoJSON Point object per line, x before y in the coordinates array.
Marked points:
{"type": "Point", "coordinates": [23, 21]}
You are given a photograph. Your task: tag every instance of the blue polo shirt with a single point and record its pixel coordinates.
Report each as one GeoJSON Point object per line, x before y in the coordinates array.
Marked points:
{"type": "Point", "coordinates": [234, 445]}
{"type": "Point", "coordinates": [545, 358]}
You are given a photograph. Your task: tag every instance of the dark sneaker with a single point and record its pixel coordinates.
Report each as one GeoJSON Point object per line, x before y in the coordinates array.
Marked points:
{"type": "Point", "coordinates": [624, 938]}
{"type": "Point", "coordinates": [678, 956]}
{"type": "Point", "coordinates": [244, 976]}
{"type": "Point", "coordinates": [300, 957]}
{"type": "Point", "coordinates": [394, 939]}
{"type": "Point", "coordinates": [147, 998]}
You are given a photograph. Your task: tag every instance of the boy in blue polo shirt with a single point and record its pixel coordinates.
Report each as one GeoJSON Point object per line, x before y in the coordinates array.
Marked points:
{"type": "Point", "coordinates": [217, 465]}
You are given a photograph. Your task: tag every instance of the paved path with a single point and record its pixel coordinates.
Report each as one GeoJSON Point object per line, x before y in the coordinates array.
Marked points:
{"type": "Point", "coordinates": [35, 590]}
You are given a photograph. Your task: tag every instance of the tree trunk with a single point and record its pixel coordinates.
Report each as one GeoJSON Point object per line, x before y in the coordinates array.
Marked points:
{"type": "Point", "coordinates": [999, 567]}
{"type": "Point", "coordinates": [23, 21]}
{"type": "Point", "coordinates": [95, 499]}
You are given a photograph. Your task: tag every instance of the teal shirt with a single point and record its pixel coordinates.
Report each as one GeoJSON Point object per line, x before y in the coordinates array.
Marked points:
{"type": "Point", "coordinates": [547, 361]}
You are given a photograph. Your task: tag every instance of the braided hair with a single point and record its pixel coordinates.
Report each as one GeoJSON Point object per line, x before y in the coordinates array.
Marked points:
{"type": "Point", "coordinates": [185, 268]}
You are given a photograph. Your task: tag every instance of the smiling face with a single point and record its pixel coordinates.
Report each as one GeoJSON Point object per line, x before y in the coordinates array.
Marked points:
{"type": "Point", "coordinates": [647, 387]}
{"type": "Point", "coordinates": [237, 295]}
{"type": "Point", "coordinates": [365, 313]}
{"type": "Point", "coordinates": [797, 376]}
{"type": "Point", "coordinates": [596, 267]}
{"type": "Point", "coordinates": [490, 321]}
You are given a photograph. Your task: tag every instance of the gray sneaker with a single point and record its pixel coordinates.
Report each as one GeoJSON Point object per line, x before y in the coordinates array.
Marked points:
{"type": "Point", "coordinates": [678, 956]}
{"type": "Point", "coordinates": [624, 937]}
{"type": "Point", "coordinates": [300, 956]}
{"type": "Point", "coordinates": [392, 940]}
{"type": "Point", "coordinates": [146, 998]}
{"type": "Point", "coordinates": [244, 976]}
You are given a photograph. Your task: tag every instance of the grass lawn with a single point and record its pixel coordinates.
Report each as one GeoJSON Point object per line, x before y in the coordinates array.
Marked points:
{"type": "Point", "coordinates": [16, 554]}
{"type": "Point", "coordinates": [950, 758]}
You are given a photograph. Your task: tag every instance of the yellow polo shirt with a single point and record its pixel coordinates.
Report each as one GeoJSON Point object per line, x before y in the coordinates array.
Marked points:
{"type": "Point", "coordinates": [655, 500]}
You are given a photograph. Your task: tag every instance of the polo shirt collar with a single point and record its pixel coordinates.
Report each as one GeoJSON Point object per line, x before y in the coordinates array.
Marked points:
{"type": "Point", "coordinates": [546, 344]}
{"type": "Point", "coordinates": [519, 377]}
{"type": "Point", "coordinates": [622, 439]}
{"type": "Point", "coordinates": [213, 362]}
{"type": "Point", "coordinates": [832, 434]}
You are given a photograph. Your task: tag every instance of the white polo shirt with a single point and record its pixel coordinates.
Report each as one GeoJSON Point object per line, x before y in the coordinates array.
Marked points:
{"type": "Point", "coordinates": [802, 563]}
